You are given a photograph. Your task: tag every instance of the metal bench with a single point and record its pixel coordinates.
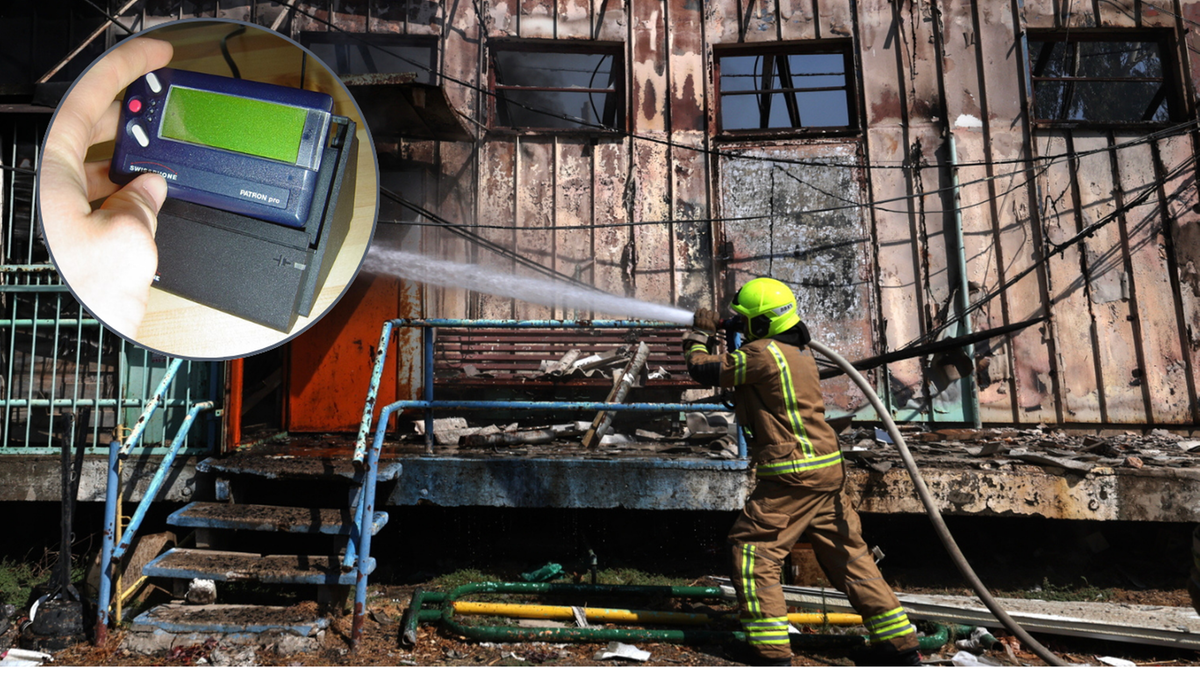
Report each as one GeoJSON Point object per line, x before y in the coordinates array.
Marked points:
{"type": "Point", "coordinates": [500, 357]}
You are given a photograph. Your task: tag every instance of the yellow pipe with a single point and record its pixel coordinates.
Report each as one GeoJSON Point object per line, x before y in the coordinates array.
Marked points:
{"type": "Point", "coordinates": [117, 537]}
{"type": "Point", "coordinates": [623, 615]}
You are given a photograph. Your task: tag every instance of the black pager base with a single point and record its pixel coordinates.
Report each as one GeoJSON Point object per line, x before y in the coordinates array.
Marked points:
{"type": "Point", "coordinates": [257, 270]}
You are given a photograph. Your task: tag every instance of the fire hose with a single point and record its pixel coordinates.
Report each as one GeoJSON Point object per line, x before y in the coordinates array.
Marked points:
{"type": "Point", "coordinates": [935, 516]}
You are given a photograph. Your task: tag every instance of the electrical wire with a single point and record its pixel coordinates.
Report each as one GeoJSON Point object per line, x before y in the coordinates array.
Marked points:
{"type": "Point", "coordinates": [237, 75]}
{"type": "Point", "coordinates": [18, 169]}
{"type": "Point", "coordinates": [905, 165]}
{"type": "Point", "coordinates": [110, 17]}
{"type": "Point", "coordinates": [1056, 249]}
{"type": "Point", "coordinates": [479, 240]}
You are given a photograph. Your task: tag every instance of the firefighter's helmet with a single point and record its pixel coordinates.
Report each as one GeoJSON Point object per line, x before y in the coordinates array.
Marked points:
{"type": "Point", "coordinates": [768, 307]}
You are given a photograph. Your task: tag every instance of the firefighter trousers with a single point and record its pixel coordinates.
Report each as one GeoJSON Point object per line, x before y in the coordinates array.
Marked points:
{"type": "Point", "coordinates": [774, 517]}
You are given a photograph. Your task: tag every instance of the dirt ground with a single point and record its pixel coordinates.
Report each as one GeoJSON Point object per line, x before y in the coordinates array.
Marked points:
{"type": "Point", "coordinates": [1137, 563]}
{"type": "Point", "coordinates": [435, 646]}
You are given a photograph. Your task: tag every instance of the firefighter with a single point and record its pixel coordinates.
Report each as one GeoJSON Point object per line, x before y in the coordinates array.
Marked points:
{"type": "Point", "coordinates": [800, 479]}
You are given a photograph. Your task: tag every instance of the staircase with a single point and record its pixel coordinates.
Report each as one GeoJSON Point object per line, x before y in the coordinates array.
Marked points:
{"type": "Point", "coordinates": [280, 517]}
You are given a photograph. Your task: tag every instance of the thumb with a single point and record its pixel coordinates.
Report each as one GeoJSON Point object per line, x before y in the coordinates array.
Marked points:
{"type": "Point", "coordinates": [142, 199]}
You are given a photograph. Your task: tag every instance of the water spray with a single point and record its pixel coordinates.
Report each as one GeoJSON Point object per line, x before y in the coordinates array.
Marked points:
{"type": "Point", "coordinates": [545, 292]}
{"type": "Point", "coordinates": [416, 267]}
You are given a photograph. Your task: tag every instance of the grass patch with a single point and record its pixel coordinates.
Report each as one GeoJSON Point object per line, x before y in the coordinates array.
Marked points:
{"type": "Point", "coordinates": [16, 582]}
{"type": "Point", "coordinates": [454, 579]}
{"type": "Point", "coordinates": [1049, 591]}
{"type": "Point", "coordinates": [636, 577]}
{"type": "Point", "coordinates": [18, 578]}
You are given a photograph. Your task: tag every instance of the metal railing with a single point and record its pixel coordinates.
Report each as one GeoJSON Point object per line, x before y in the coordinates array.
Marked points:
{"type": "Point", "coordinates": [113, 551]}
{"type": "Point", "coordinates": [358, 550]}
{"type": "Point", "coordinates": [54, 357]}
{"type": "Point", "coordinates": [429, 403]}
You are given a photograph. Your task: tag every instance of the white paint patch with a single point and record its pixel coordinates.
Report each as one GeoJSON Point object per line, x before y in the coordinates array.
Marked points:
{"type": "Point", "coordinates": [968, 121]}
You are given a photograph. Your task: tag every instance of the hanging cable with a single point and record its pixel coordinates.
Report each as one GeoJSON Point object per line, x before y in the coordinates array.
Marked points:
{"type": "Point", "coordinates": [18, 169]}
{"type": "Point", "coordinates": [237, 75]}
{"type": "Point", "coordinates": [660, 141]}
{"type": "Point", "coordinates": [1059, 248]}
{"type": "Point", "coordinates": [479, 240]}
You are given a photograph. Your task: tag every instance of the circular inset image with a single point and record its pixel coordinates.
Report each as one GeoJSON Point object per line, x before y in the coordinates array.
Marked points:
{"type": "Point", "coordinates": [208, 189]}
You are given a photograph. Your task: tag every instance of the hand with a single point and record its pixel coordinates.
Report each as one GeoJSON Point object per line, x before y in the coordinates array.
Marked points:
{"type": "Point", "coordinates": [706, 320]}
{"type": "Point", "coordinates": [106, 255]}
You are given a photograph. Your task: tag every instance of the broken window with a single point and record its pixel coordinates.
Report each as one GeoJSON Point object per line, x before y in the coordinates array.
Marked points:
{"type": "Point", "coordinates": [1109, 78]}
{"type": "Point", "coordinates": [798, 87]}
{"type": "Point", "coordinates": [558, 85]}
{"type": "Point", "coordinates": [370, 53]}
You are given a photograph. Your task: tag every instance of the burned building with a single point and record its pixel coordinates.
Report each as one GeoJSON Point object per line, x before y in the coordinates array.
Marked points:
{"type": "Point", "coordinates": [916, 171]}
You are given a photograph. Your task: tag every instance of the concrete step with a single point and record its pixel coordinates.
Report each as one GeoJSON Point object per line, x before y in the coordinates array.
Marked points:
{"type": "Point", "coordinates": [278, 569]}
{"type": "Point", "coordinates": [253, 517]}
{"type": "Point", "coordinates": [288, 463]}
{"type": "Point", "coordinates": [287, 629]}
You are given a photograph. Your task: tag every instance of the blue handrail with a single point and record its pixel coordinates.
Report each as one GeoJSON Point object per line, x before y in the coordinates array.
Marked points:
{"type": "Point", "coordinates": [111, 551]}
{"type": "Point", "coordinates": [358, 548]}
{"type": "Point", "coordinates": [429, 403]}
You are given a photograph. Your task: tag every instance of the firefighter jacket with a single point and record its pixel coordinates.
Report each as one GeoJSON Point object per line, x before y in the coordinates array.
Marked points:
{"type": "Point", "coordinates": [777, 398]}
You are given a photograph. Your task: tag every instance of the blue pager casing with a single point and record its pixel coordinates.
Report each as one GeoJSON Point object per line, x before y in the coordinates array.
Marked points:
{"type": "Point", "coordinates": [271, 189]}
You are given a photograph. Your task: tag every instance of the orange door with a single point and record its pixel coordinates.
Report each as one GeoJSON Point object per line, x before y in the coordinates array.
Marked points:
{"type": "Point", "coordinates": [329, 365]}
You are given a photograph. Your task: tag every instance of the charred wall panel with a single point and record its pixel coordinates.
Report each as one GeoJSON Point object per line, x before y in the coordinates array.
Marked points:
{"type": "Point", "coordinates": [823, 255]}
{"type": "Point", "coordinates": [797, 20]}
{"type": "Point", "coordinates": [1122, 343]}
{"type": "Point", "coordinates": [1071, 316]}
{"type": "Point", "coordinates": [1183, 237]}
{"type": "Point", "coordinates": [536, 173]}
{"type": "Point", "coordinates": [498, 178]}
{"type": "Point", "coordinates": [1107, 277]}
{"type": "Point", "coordinates": [574, 247]}
{"type": "Point", "coordinates": [613, 194]}
{"type": "Point", "coordinates": [1164, 378]}
{"type": "Point", "coordinates": [1013, 212]}
{"type": "Point", "coordinates": [689, 179]}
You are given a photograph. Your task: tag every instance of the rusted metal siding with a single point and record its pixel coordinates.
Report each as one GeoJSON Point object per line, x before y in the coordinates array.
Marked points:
{"type": "Point", "coordinates": [1122, 343]}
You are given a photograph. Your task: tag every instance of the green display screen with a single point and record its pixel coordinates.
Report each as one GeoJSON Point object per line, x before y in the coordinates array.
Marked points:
{"type": "Point", "coordinates": [234, 123]}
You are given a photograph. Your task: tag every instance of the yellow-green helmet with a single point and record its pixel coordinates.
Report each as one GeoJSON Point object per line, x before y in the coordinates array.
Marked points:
{"type": "Point", "coordinates": [768, 306]}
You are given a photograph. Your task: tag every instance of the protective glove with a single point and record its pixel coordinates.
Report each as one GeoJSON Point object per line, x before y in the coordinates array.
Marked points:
{"type": "Point", "coordinates": [706, 320]}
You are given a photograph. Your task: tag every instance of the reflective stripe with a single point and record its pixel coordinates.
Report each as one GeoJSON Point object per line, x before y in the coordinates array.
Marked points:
{"type": "Point", "coordinates": [789, 399]}
{"type": "Point", "coordinates": [739, 368]}
{"type": "Point", "coordinates": [898, 631]}
{"type": "Point", "coordinates": [698, 347]}
{"type": "Point", "coordinates": [889, 625]}
{"type": "Point", "coordinates": [798, 465]}
{"type": "Point", "coordinates": [749, 589]}
{"type": "Point", "coordinates": [766, 630]}
{"type": "Point", "coordinates": [885, 617]}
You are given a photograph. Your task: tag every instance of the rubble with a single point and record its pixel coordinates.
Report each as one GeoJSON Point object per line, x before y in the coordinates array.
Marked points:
{"type": "Point", "coordinates": [1004, 448]}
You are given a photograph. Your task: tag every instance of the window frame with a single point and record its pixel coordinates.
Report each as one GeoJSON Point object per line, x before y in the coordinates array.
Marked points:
{"type": "Point", "coordinates": [550, 46]}
{"type": "Point", "coordinates": [381, 41]}
{"type": "Point", "coordinates": [839, 46]}
{"type": "Point", "coordinates": [1171, 90]}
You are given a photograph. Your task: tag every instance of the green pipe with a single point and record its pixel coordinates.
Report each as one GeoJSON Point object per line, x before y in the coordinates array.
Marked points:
{"type": "Point", "coordinates": [662, 591]}
{"type": "Point", "coordinates": [445, 615]}
{"type": "Point", "coordinates": [412, 616]}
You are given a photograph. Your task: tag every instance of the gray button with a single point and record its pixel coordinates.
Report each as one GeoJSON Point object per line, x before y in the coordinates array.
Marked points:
{"type": "Point", "coordinates": [139, 134]}
{"type": "Point", "coordinates": [153, 82]}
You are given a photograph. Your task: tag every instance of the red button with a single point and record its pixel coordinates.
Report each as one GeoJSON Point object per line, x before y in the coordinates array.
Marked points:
{"type": "Point", "coordinates": [135, 106]}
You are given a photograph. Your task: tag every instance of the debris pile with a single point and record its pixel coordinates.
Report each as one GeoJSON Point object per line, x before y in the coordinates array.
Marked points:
{"type": "Point", "coordinates": [711, 434]}
{"type": "Point", "coordinates": [1004, 448]}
